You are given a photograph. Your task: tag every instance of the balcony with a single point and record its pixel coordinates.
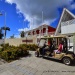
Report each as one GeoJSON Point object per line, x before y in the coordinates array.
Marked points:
{"type": "Point", "coordinates": [68, 27]}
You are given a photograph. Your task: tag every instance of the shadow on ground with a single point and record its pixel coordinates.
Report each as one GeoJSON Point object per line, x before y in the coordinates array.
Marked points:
{"type": "Point", "coordinates": [29, 55]}
{"type": "Point", "coordinates": [52, 59]}
{"type": "Point", "coordinates": [58, 61]}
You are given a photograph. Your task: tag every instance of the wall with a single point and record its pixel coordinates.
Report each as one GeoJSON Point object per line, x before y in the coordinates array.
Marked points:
{"type": "Point", "coordinates": [18, 41]}
{"type": "Point", "coordinates": [1, 41]}
{"type": "Point", "coordinates": [68, 29]}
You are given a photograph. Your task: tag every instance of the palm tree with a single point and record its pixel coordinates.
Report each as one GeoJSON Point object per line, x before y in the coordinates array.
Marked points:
{"type": "Point", "coordinates": [5, 29]}
{"type": "Point", "coordinates": [1, 34]}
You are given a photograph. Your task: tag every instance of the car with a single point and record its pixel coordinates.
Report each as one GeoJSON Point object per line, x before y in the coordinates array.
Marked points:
{"type": "Point", "coordinates": [67, 56]}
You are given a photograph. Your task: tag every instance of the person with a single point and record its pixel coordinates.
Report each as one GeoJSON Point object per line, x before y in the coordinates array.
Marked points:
{"type": "Point", "coordinates": [41, 49]}
{"type": "Point", "coordinates": [45, 48]}
{"type": "Point", "coordinates": [60, 48]}
{"type": "Point", "coordinates": [52, 47]}
{"type": "Point", "coordinates": [64, 45]}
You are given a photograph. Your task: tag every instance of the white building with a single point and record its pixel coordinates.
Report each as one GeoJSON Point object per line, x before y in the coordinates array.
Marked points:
{"type": "Point", "coordinates": [66, 23]}
{"type": "Point", "coordinates": [66, 26]}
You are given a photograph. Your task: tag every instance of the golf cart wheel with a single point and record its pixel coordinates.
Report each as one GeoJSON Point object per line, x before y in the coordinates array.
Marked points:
{"type": "Point", "coordinates": [67, 61]}
{"type": "Point", "coordinates": [37, 54]}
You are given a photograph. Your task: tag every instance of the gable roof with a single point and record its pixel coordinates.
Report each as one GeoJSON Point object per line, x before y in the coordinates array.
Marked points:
{"type": "Point", "coordinates": [41, 27]}
{"type": "Point", "coordinates": [62, 17]}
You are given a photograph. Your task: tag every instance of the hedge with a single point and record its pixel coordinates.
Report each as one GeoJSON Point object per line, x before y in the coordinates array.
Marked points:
{"type": "Point", "coordinates": [9, 53]}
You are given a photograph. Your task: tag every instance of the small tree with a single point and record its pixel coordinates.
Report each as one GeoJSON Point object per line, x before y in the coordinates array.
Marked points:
{"type": "Point", "coordinates": [1, 34]}
{"type": "Point", "coordinates": [22, 34]}
{"type": "Point", "coordinates": [5, 28]}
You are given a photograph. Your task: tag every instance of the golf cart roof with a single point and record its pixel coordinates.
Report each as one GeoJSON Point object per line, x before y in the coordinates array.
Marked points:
{"type": "Point", "coordinates": [48, 37]}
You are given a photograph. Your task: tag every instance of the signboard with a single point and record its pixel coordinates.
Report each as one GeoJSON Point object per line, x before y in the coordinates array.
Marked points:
{"type": "Point", "coordinates": [27, 40]}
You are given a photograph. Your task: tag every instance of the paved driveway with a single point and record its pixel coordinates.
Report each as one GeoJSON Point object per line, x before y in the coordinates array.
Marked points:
{"type": "Point", "coordinates": [36, 66]}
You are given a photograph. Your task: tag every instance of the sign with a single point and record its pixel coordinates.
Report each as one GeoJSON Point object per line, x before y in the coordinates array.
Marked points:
{"type": "Point", "coordinates": [27, 40]}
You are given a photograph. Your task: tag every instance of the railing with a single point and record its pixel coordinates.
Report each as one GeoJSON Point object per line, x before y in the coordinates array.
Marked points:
{"type": "Point", "coordinates": [68, 22]}
{"type": "Point", "coordinates": [43, 34]}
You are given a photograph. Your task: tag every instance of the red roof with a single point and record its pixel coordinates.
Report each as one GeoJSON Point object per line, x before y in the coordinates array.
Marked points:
{"type": "Point", "coordinates": [50, 29]}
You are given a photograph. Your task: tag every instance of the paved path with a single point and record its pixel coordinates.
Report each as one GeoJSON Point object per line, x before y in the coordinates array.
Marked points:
{"type": "Point", "coordinates": [36, 66]}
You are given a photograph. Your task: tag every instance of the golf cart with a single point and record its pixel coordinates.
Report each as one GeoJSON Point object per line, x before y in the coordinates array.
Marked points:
{"type": "Point", "coordinates": [67, 55]}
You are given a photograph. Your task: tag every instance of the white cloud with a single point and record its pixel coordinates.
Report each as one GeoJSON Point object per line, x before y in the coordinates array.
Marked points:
{"type": "Point", "coordinates": [32, 10]}
{"type": "Point", "coordinates": [9, 1]}
{"type": "Point", "coordinates": [25, 29]}
{"type": "Point", "coordinates": [20, 29]}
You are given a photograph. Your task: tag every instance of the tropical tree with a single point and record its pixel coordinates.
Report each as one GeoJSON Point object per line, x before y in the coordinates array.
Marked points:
{"type": "Point", "coordinates": [5, 29]}
{"type": "Point", "coordinates": [22, 34]}
{"type": "Point", "coordinates": [1, 34]}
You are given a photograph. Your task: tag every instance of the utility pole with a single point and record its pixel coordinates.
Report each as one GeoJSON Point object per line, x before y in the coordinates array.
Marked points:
{"type": "Point", "coordinates": [42, 16]}
{"type": "Point", "coordinates": [25, 33]}
{"type": "Point", "coordinates": [4, 25]}
{"type": "Point", "coordinates": [42, 23]}
{"type": "Point", "coordinates": [5, 29]}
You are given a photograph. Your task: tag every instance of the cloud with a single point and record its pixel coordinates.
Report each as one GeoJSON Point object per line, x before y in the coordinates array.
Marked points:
{"type": "Point", "coordinates": [32, 10]}
{"type": "Point", "coordinates": [25, 29]}
{"type": "Point", "coordinates": [9, 1]}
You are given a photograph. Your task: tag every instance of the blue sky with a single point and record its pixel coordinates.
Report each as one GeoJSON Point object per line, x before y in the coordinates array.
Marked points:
{"type": "Point", "coordinates": [28, 14]}
{"type": "Point", "coordinates": [12, 19]}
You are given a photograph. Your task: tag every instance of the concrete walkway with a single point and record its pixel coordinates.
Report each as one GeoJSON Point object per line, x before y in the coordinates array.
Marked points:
{"type": "Point", "coordinates": [36, 66]}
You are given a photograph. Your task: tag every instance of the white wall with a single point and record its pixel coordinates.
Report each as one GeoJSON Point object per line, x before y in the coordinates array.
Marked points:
{"type": "Point", "coordinates": [68, 29]}
{"type": "Point", "coordinates": [18, 41]}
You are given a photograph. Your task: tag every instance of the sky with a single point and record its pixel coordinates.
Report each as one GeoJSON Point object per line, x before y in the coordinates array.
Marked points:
{"type": "Point", "coordinates": [27, 14]}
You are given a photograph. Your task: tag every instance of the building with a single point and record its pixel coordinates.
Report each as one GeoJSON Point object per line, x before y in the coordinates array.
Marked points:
{"type": "Point", "coordinates": [66, 26]}
{"type": "Point", "coordinates": [44, 30]}
{"type": "Point", "coordinates": [66, 23]}
{"type": "Point", "coordinates": [31, 38]}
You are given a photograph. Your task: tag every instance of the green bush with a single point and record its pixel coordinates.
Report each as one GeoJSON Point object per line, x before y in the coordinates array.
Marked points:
{"type": "Point", "coordinates": [22, 51]}
{"type": "Point", "coordinates": [9, 53]}
{"type": "Point", "coordinates": [6, 45]}
{"type": "Point", "coordinates": [12, 52]}
{"type": "Point", "coordinates": [4, 55]}
{"type": "Point", "coordinates": [32, 47]}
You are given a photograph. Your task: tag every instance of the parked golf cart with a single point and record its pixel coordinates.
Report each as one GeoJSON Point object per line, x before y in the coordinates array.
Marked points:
{"type": "Point", "coordinates": [67, 55]}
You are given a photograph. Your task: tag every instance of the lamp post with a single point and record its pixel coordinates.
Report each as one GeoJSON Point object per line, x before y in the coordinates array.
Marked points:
{"type": "Point", "coordinates": [5, 28]}
{"type": "Point", "coordinates": [0, 28]}
{"type": "Point", "coordinates": [42, 23]}
{"type": "Point", "coordinates": [4, 24]}
{"type": "Point", "coordinates": [25, 33]}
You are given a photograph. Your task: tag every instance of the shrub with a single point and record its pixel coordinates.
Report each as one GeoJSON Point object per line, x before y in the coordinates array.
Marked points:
{"type": "Point", "coordinates": [9, 53]}
{"type": "Point", "coordinates": [4, 55]}
{"type": "Point", "coordinates": [32, 47]}
{"type": "Point", "coordinates": [12, 53]}
{"type": "Point", "coordinates": [6, 45]}
{"type": "Point", "coordinates": [22, 51]}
